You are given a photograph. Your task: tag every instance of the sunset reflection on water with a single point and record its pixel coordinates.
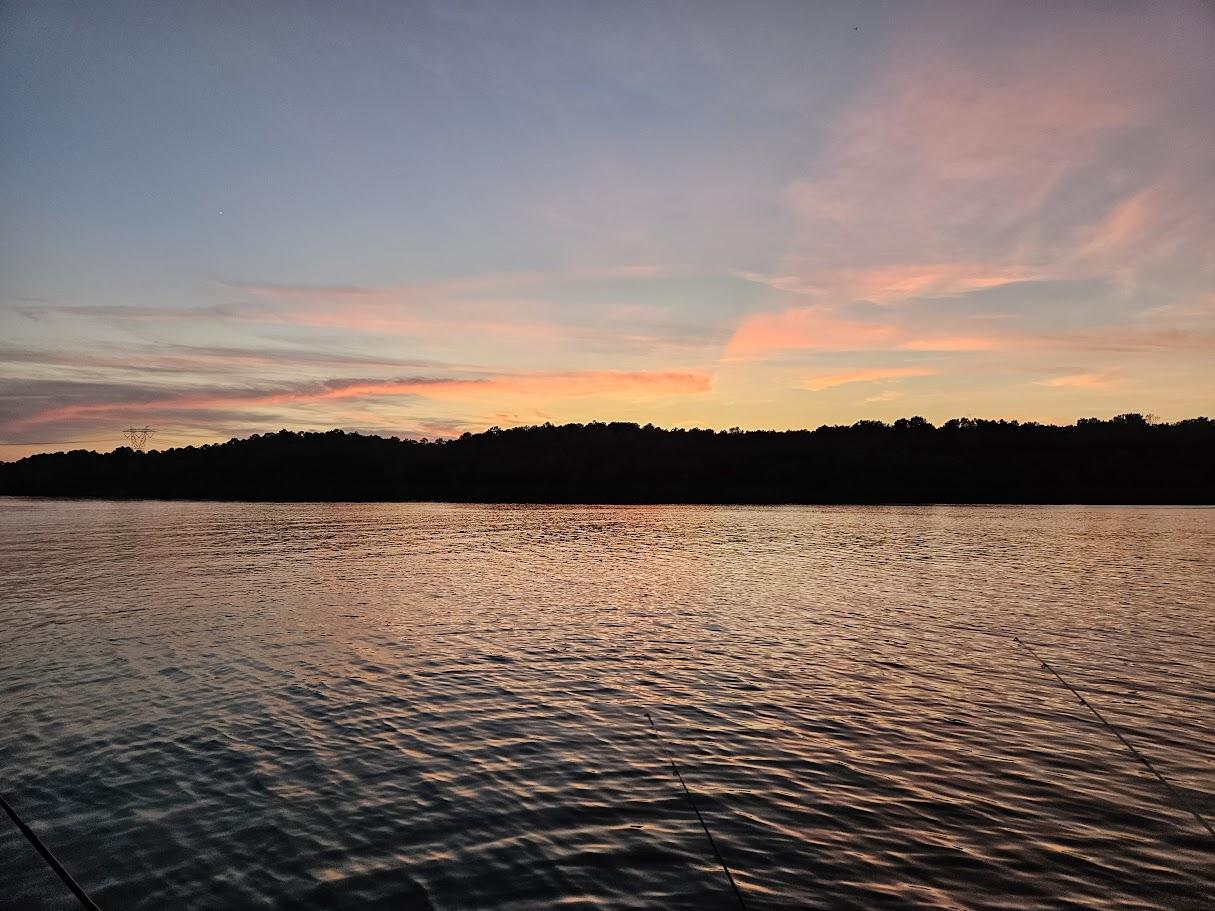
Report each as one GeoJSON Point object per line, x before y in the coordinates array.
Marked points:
{"type": "Point", "coordinates": [420, 705]}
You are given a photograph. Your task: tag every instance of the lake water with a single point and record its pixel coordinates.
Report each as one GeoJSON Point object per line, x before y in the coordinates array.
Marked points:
{"type": "Point", "coordinates": [332, 706]}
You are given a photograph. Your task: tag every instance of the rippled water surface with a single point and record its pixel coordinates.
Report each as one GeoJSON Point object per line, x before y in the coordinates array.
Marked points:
{"type": "Point", "coordinates": [212, 706]}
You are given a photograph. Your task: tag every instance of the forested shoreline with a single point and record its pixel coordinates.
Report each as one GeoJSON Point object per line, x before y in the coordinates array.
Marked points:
{"type": "Point", "coordinates": [1126, 459]}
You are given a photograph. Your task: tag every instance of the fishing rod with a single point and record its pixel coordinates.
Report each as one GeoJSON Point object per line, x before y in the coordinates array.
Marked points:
{"type": "Point", "coordinates": [1178, 798]}
{"type": "Point", "coordinates": [692, 800]}
{"type": "Point", "coordinates": [49, 857]}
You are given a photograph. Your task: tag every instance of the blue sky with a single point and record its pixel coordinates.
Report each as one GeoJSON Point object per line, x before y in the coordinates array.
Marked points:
{"type": "Point", "coordinates": [421, 219]}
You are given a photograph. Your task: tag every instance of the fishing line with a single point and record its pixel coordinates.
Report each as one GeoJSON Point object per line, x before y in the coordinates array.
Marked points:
{"type": "Point", "coordinates": [1178, 798]}
{"type": "Point", "coordinates": [692, 800]}
{"type": "Point", "coordinates": [49, 857]}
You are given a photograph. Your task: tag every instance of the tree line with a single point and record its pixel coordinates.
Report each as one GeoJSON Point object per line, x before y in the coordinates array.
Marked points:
{"type": "Point", "coordinates": [1127, 459]}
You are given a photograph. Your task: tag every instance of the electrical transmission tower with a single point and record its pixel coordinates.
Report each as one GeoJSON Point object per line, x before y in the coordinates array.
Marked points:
{"type": "Point", "coordinates": [137, 437]}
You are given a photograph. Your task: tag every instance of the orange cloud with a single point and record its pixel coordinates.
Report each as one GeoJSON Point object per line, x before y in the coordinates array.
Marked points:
{"type": "Point", "coordinates": [828, 381]}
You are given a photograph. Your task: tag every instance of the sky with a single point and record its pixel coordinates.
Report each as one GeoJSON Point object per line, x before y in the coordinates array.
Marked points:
{"type": "Point", "coordinates": [421, 219]}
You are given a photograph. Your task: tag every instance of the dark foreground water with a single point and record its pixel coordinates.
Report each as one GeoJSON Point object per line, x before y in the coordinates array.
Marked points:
{"type": "Point", "coordinates": [430, 706]}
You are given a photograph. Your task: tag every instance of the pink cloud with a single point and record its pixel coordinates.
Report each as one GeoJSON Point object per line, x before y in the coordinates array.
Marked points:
{"type": "Point", "coordinates": [806, 327]}
{"type": "Point", "coordinates": [967, 166]}
{"type": "Point", "coordinates": [1071, 150]}
{"type": "Point", "coordinates": [950, 150]}
{"type": "Point", "coordinates": [817, 328]}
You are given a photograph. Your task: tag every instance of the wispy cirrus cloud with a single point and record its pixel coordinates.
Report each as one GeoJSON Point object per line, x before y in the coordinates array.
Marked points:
{"type": "Point", "coordinates": [822, 328]}
{"type": "Point", "coordinates": [1200, 307]}
{"type": "Point", "coordinates": [1012, 157]}
{"type": "Point", "coordinates": [140, 313]}
{"type": "Point", "coordinates": [816, 328]}
{"type": "Point", "coordinates": [1098, 379]}
{"type": "Point", "coordinates": [893, 283]}
{"type": "Point", "coordinates": [456, 287]}
{"type": "Point", "coordinates": [533, 385]}
{"type": "Point", "coordinates": [523, 310]}
{"type": "Point", "coordinates": [886, 395]}
{"type": "Point", "coordinates": [1124, 340]}
{"type": "Point", "coordinates": [870, 375]}
{"type": "Point", "coordinates": [1032, 155]}
{"type": "Point", "coordinates": [196, 359]}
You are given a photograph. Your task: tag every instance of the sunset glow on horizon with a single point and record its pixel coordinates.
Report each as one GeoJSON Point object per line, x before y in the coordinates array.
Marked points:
{"type": "Point", "coordinates": [422, 220]}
